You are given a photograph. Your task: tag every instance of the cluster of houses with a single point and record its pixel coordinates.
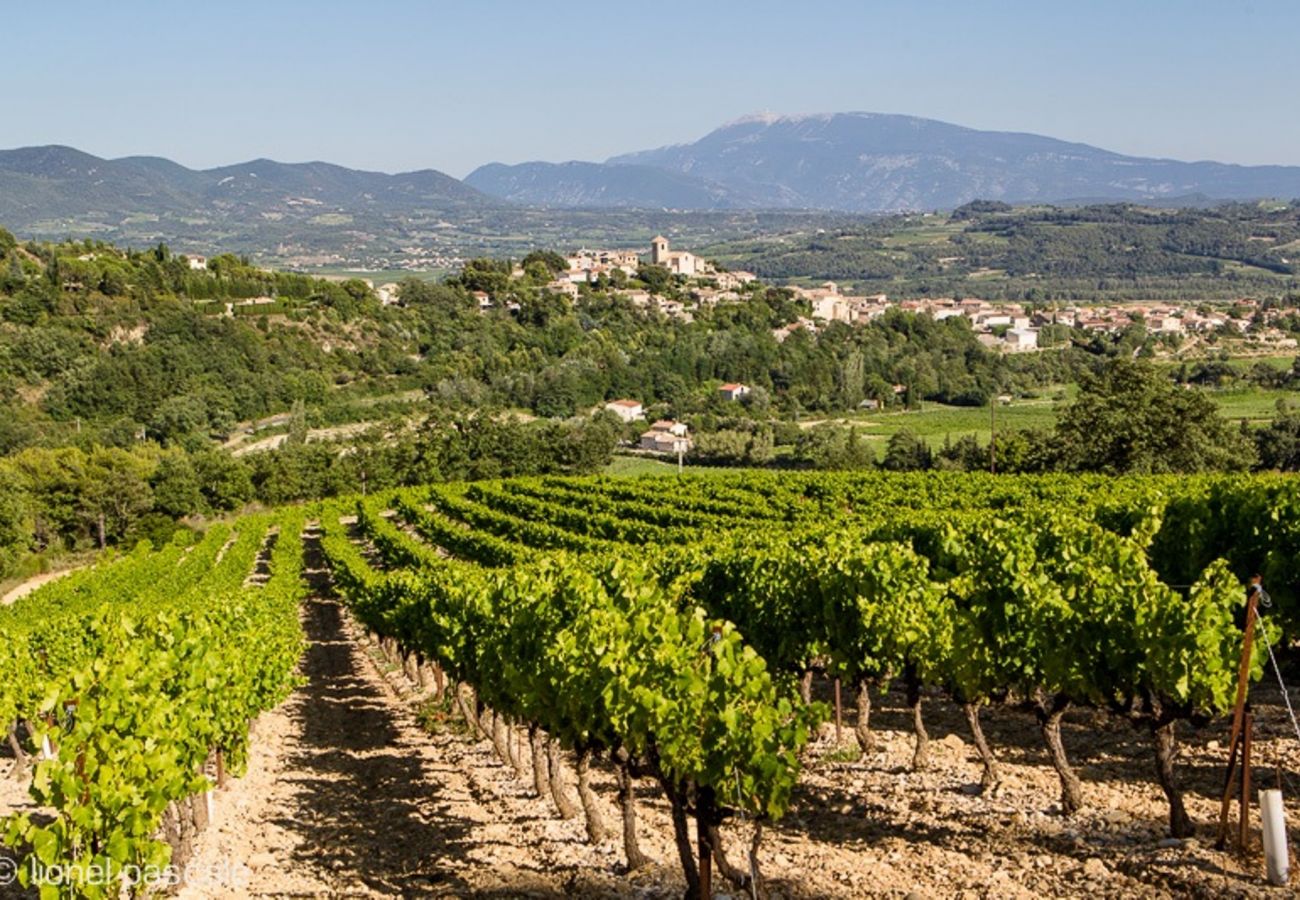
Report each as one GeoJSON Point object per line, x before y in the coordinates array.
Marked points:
{"type": "Point", "coordinates": [1004, 326]}
{"type": "Point", "coordinates": [1007, 327]}
{"type": "Point", "coordinates": [1010, 328]}
{"type": "Point", "coordinates": [588, 266]}
{"type": "Point", "coordinates": [668, 435]}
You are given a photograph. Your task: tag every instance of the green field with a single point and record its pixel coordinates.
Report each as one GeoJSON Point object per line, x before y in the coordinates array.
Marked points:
{"type": "Point", "coordinates": [639, 465]}
{"type": "Point", "coordinates": [936, 421]}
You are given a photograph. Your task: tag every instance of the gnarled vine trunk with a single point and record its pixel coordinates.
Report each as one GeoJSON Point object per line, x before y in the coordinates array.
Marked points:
{"type": "Point", "coordinates": [466, 713]}
{"type": "Point", "coordinates": [991, 776]}
{"type": "Point", "coordinates": [499, 739]}
{"type": "Point", "coordinates": [682, 836]}
{"type": "Point", "coordinates": [1049, 713]}
{"type": "Point", "coordinates": [805, 686]}
{"type": "Point", "coordinates": [515, 750]}
{"type": "Point", "coordinates": [20, 755]}
{"type": "Point", "coordinates": [439, 683]}
{"type": "Point", "coordinates": [627, 803]}
{"type": "Point", "coordinates": [563, 805]}
{"type": "Point", "coordinates": [1166, 741]}
{"type": "Point", "coordinates": [596, 831]}
{"type": "Point", "coordinates": [921, 755]}
{"type": "Point", "coordinates": [742, 880]}
{"type": "Point", "coordinates": [541, 777]}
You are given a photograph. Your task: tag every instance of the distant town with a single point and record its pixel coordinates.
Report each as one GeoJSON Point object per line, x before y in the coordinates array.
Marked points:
{"type": "Point", "coordinates": [1004, 326]}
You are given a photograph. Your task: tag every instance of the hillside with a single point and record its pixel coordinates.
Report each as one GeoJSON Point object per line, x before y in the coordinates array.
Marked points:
{"type": "Point", "coordinates": [310, 209]}
{"type": "Point", "coordinates": [317, 215]}
{"type": "Point", "coordinates": [1104, 252]}
{"type": "Point", "coordinates": [49, 183]}
{"type": "Point", "coordinates": [868, 162]}
{"type": "Point", "coordinates": [584, 184]}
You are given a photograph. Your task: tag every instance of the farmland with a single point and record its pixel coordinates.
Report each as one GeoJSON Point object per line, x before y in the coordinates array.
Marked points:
{"type": "Point", "coordinates": [599, 665]}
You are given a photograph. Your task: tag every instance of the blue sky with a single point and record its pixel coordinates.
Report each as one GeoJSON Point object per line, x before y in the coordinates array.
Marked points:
{"type": "Point", "coordinates": [394, 85]}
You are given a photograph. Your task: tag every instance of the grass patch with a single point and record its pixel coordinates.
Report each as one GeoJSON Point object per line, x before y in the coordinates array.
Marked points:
{"type": "Point", "coordinates": [844, 753]}
{"type": "Point", "coordinates": [639, 465]}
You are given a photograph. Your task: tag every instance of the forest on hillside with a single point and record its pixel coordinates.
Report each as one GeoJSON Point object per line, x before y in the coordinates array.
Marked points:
{"type": "Point", "coordinates": [1041, 254]}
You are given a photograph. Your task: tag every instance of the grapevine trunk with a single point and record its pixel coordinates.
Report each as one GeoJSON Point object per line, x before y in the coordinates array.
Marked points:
{"type": "Point", "coordinates": [20, 755]}
{"type": "Point", "coordinates": [1166, 741]}
{"type": "Point", "coordinates": [563, 805]}
{"type": "Point", "coordinates": [991, 776]}
{"type": "Point", "coordinates": [596, 831]}
{"type": "Point", "coordinates": [627, 803]}
{"type": "Point", "coordinates": [1049, 723]}
{"type": "Point", "coordinates": [540, 775]}
{"type": "Point", "coordinates": [499, 738]}
{"type": "Point", "coordinates": [921, 756]}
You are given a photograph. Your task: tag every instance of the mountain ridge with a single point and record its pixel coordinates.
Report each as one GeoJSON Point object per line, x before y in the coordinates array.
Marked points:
{"type": "Point", "coordinates": [57, 181]}
{"type": "Point", "coordinates": [318, 213]}
{"type": "Point", "coordinates": [863, 162]}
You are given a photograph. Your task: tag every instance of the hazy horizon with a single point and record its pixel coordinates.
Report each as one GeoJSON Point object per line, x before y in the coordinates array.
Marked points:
{"type": "Point", "coordinates": [398, 86]}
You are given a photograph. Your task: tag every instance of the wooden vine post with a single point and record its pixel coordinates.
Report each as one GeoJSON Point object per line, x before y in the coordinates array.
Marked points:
{"type": "Point", "coordinates": [1241, 734]}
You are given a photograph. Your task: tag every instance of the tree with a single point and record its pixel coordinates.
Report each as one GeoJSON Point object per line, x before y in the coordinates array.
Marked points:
{"type": "Point", "coordinates": [176, 487]}
{"type": "Point", "coordinates": [117, 492]}
{"type": "Point", "coordinates": [549, 259]}
{"type": "Point", "coordinates": [1130, 417]}
{"type": "Point", "coordinates": [657, 278]}
{"type": "Point", "coordinates": [223, 480]}
{"type": "Point", "coordinates": [297, 435]}
{"type": "Point", "coordinates": [906, 452]}
{"type": "Point", "coordinates": [15, 530]}
{"type": "Point", "coordinates": [1278, 445]}
{"type": "Point", "coordinates": [830, 446]}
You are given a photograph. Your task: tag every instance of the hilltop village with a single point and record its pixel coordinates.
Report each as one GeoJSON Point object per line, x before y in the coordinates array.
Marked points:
{"type": "Point", "coordinates": [678, 283]}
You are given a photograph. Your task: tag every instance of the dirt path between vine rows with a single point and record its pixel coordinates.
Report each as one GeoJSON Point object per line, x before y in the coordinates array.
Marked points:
{"type": "Point", "coordinates": [36, 581]}
{"type": "Point", "coordinates": [347, 796]}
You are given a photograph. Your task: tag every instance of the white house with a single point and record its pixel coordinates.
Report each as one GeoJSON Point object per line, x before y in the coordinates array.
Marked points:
{"type": "Point", "coordinates": [666, 436]}
{"type": "Point", "coordinates": [1022, 339]}
{"type": "Point", "coordinates": [627, 410]}
{"type": "Point", "coordinates": [733, 391]}
{"type": "Point", "coordinates": [565, 287]}
{"type": "Point", "coordinates": [197, 263]}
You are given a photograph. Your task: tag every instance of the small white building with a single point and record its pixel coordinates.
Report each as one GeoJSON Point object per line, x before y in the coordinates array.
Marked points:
{"type": "Point", "coordinates": [197, 263]}
{"type": "Point", "coordinates": [627, 410]}
{"type": "Point", "coordinates": [564, 287]}
{"type": "Point", "coordinates": [733, 391]}
{"type": "Point", "coordinates": [1167, 324]}
{"type": "Point", "coordinates": [666, 436]}
{"type": "Point", "coordinates": [1022, 339]}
